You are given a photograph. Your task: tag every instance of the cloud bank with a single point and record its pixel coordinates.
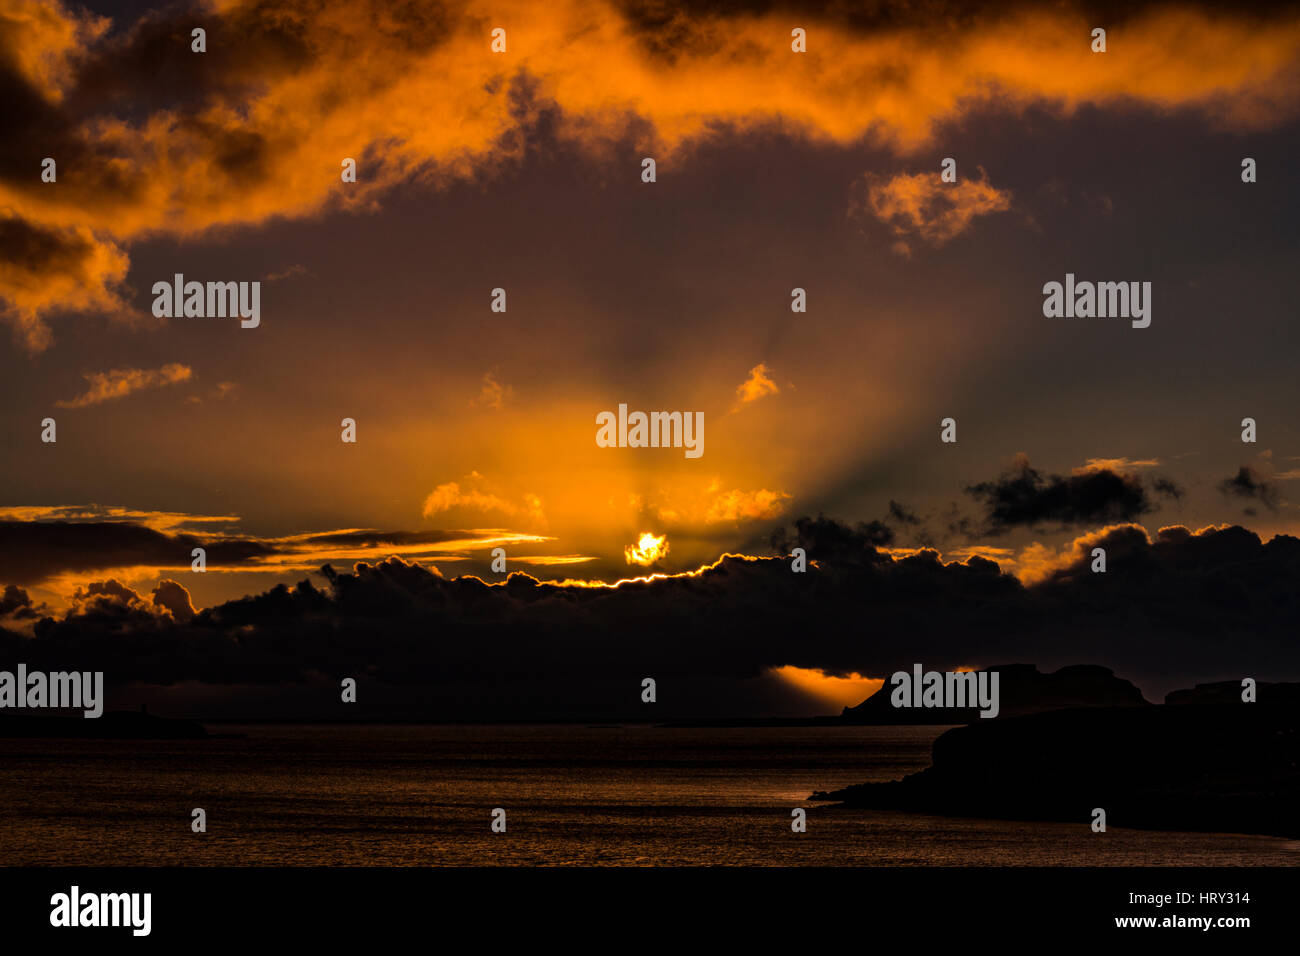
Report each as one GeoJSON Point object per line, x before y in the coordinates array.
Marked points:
{"type": "Point", "coordinates": [152, 139]}
{"type": "Point", "coordinates": [1180, 607]}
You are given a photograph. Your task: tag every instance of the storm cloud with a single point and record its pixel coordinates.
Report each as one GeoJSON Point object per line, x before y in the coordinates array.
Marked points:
{"type": "Point", "coordinates": [1023, 496]}
{"type": "Point", "coordinates": [1251, 484]}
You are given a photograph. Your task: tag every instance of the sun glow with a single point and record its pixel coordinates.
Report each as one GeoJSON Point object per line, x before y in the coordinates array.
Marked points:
{"type": "Point", "coordinates": [649, 549]}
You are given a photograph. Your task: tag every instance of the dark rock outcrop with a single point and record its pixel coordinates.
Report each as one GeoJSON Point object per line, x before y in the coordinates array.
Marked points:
{"type": "Point", "coordinates": [1229, 692]}
{"type": "Point", "coordinates": [1229, 768]}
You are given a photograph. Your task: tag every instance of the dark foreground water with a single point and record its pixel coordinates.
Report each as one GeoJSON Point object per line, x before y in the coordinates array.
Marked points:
{"type": "Point", "coordinates": [423, 795]}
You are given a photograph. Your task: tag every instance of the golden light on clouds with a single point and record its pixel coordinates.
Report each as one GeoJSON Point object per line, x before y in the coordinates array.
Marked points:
{"type": "Point", "coordinates": [415, 95]}
{"type": "Point", "coordinates": [736, 505]}
{"type": "Point", "coordinates": [422, 99]}
{"type": "Point", "coordinates": [841, 691]}
{"type": "Point", "coordinates": [1038, 563]}
{"type": "Point", "coordinates": [76, 270]}
{"type": "Point", "coordinates": [44, 40]}
{"type": "Point", "coordinates": [449, 496]}
{"type": "Point", "coordinates": [649, 549]}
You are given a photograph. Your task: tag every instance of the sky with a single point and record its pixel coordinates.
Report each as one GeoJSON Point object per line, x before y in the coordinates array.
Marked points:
{"type": "Point", "coordinates": [522, 170]}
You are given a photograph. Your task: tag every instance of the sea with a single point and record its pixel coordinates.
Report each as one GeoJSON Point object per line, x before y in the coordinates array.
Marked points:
{"type": "Point", "coordinates": [575, 794]}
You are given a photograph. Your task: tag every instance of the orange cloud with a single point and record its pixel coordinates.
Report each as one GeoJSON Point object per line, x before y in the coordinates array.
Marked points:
{"type": "Point", "coordinates": [449, 495]}
{"type": "Point", "coordinates": [1037, 563]}
{"type": "Point", "coordinates": [1116, 464]}
{"type": "Point", "coordinates": [156, 520]}
{"type": "Point", "coordinates": [685, 506]}
{"type": "Point", "coordinates": [756, 386]}
{"type": "Point", "coordinates": [739, 505]}
{"type": "Point", "coordinates": [922, 206]}
{"type": "Point", "coordinates": [121, 382]}
{"type": "Point", "coordinates": [414, 94]}
{"type": "Point", "coordinates": [63, 267]}
{"type": "Point", "coordinates": [44, 41]}
{"type": "Point", "coordinates": [550, 560]}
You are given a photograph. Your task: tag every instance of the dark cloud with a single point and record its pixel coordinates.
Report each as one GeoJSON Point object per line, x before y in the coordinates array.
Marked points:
{"type": "Point", "coordinates": [902, 515]}
{"type": "Point", "coordinates": [1022, 496]}
{"type": "Point", "coordinates": [174, 596]}
{"type": "Point", "coordinates": [363, 538]}
{"type": "Point", "coordinates": [1168, 488]}
{"type": "Point", "coordinates": [1252, 484]}
{"type": "Point", "coordinates": [831, 540]}
{"type": "Point", "coordinates": [16, 604]}
{"type": "Point", "coordinates": [151, 65]}
{"type": "Point", "coordinates": [109, 598]}
{"type": "Point", "coordinates": [29, 250]}
{"type": "Point", "coordinates": [33, 551]}
{"type": "Point", "coordinates": [1179, 609]}
{"type": "Point", "coordinates": [662, 21]}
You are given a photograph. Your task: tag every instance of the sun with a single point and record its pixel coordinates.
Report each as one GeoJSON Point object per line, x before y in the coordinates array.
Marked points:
{"type": "Point", "coordinates": [649, 549]}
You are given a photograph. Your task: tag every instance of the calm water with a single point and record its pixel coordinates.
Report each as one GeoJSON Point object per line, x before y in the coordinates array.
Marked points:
{"type": "Point", "coordinates": [419, 796]}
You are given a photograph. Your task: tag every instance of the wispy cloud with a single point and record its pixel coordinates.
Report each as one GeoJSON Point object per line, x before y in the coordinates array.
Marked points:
{"type": "Point", "coordinates": [121, 382]}
{"type": "Point", "coordinates": [291, 272]}
{"type": "Point", "coordinates": [493, 393]}
{"type": "Point", "coordinates": [1117, 464]}
{"type": "Point", "coordinates": [155, 520]}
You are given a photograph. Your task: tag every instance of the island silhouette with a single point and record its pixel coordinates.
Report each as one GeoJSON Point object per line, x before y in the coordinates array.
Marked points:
{"type": "Point", "coordinates": [1205, 760]}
